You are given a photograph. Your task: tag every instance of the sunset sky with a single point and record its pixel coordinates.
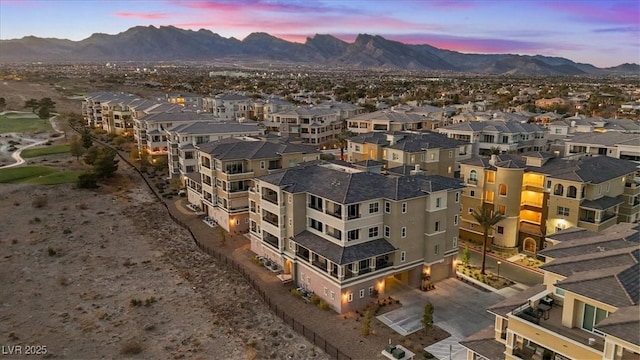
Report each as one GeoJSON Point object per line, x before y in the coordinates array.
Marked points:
{"type": "Point", "coordinates": [603, 33]}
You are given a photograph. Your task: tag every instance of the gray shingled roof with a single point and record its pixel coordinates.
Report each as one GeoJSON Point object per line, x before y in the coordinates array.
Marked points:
{"type": "Point", "coordinates": [609, 138]}
{"type": "Point", "coordinates": [485, 344]}
{"type": "Point", "coordinates": [238, 149]}
{"type": "Point", "coordinates": [605, 202]}
{"type": "Point", "coordinates": [505, 306]}
{"type": "Point", "coordinates": [605, 284]}
{"type": "Point", "coordinates": [342, 255]}
{"type": "Point", "coordinates": [208, 127]}
{"type": "Point", "coordinates": [589, 261]}
{"type": "Point", "coordinates": [353, 187]}
{"type": "Point", "coordinates": [623, 324]}
{"type": "Point", "coordinates": [387, 115]}
{"type": "Point", "coordinates": [588, 169]}
{"type": "Point", "coordinates": [426, 140]}
{"type": "Point", "coordinates": [497, 126]}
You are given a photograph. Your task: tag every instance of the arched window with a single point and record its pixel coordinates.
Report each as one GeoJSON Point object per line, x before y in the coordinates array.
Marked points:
{"type": "Point", "coordinates": [503, 189]}
{"type": "Point", "coordinates": [473, 175]}
{"type": "Point", "coordinates": [558, 189]}
{"type": "Point", "coordinates": [572, 192]}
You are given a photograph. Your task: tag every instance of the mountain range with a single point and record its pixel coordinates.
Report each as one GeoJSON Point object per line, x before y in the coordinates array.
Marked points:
{"type": "Point", "coordinates": [168, 43]}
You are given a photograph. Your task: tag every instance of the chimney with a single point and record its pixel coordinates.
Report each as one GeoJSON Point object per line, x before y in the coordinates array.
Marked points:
{"type": "Point", "coordinates": [493, 159]}
{"type": "Point", "coordinates": [416, 170]}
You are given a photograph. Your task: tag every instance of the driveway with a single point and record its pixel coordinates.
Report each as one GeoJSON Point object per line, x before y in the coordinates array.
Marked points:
{"type": "Point", "coordinates": [458, 308]}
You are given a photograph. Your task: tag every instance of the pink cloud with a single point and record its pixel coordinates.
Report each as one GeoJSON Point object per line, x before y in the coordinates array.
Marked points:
{"type": "Point", "coordinates": [142, 15]}
{"type": "Point", "coordinates": [251, 5]}
{"type": "Point", "coordinates": [453, 4]}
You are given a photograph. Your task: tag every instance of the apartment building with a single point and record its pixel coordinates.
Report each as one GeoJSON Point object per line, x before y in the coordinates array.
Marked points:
{"type": "Point", "coordinates": [263, 108]}
{"type": "Point", "coordinates": [540, 194]}
{"type": "Point", "coordinates": [182, 139]}
{"type": "Point", "coordinates": [505, 136]}
{"type": "Point", "coordinates": [186, 100]}
{"type": "Point", "coordinates": [150, 127]}
{"type": "Point", "coordinates": [229, 106]}
{"type": "Point", "coordinates": [226, 172]}
{"type": "Point", "coordinates": [390, 121]}
{"type": "Point", "coordinates": [341, 232]}
{"type": "Point", "coordinates": [611, 143]}
{"type": "Point", "coordinates": [94, 104]}
{"type": "Point", "coordinates": [586, 308]}
{"type": "Point", "coordinates": [312, 125]}
{"type": "Point", "coordinates": [426, 151]}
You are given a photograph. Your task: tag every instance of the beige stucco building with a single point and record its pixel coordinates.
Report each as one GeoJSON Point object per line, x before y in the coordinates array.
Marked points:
{"type": "Point", "coordinates": [340, 232]}
{"type": "Point", "coordinates": [540, 194]}
{"type": "Point", "coordinates": [587, 307]}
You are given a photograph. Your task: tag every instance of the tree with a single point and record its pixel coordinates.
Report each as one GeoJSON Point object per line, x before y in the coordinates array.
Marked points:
{"type": "Point", "coordinates": [366, 324]}
{"type": "Point", "coordinates": [87, 141]}
{"type": "Point", "coordinates": [33, 104]}
{"type": "Point", "coordinates": [342, 140]}
{"type": "Point", "coordinates": [87, 181]}
{"type": "Point", "coordinates": [427, 317]}
{"type": "Point", "coordinates": [75, 147]}
{"type": "Point", "coordinates": [3, 103]}
{"type": "Point", "coordinates": [47, 102]}
{"type": "Point", "coordinates": [466, 256]}
{"type": "Point", "coordinates": [105, 164]}
{"type": "Point", "coordinates": [44, 112]}
{"type": "Point", "coordinates": [487, 219]}
{"type": "Point", "coordinates": [91, 155]}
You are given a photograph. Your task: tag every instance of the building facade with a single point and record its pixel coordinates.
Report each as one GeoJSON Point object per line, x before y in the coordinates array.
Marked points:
{"type": "Point", "coordinates": [340, 232]}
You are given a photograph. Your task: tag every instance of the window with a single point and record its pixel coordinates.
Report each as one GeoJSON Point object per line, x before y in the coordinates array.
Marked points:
{"type": "Point", "coordinates": [548, 184]}
{"type": "Point", "coordinates": [558, 190]}
{"type": "Point", "coordinates": [592, 316]}
{"type": "Point", "coordinates": [350, 297]}
{"type": "Point", "coordinates": [472, 193]}
{"type": "Point", "coordinates": [563, 211]}
{"type": "Point", "coordinates": [237, 221]}
{"type": "Point", "coordinates": [403, 256]}
{"type": "Point", "coordinates": [607, 186]}
{"type": "Point", "coordinates": [387, 207]}
{"type": "Point", "coordinates": [433, 156]}
{"type": "Point", "coordinates": [404, 208]}
{"type": "Point", "coordinates": [261, 164]}
{"type": "Point", "coordinates": [450, 154]}
{"type": "Point", "coordinates": [437, 226]}
{"type": "Point", "coordinates": [502, 190]}
{"type": "Point", "coordinates": [458, 197]}
{"type": "Point", "coordinates": [315, 224]}
{"type": "Point", "coordinates": [387, 231]}
{"type": "Point", "coordinates": [403, 232]}
{"type": "Point", "coordinates": [289, 198]}
{"type": "Point", "coordinates": [455, 219]}
{"type": "Point", "coordinates": [370, 290]}
{"type": "Point", "coordinates": [188, 155]}
{"type": "Point", "coordinates": [353, 211]}
{"type": "Point", "coordinates": [454, 243]}
{"type": "Point", "coordinates": [500, 230]}
{"type": "Point", "coordinates": [353, 235]}
{"type": "Point", "coordinates": [491, 176]}
{"type": "Point", "coordinates": [373, 232]}
{"type": "Point", "coordinates": [394, 156]}
{"type": "Point", "coordinates": [470, 210]}
{"type": "Point", "coordinates": [572, 192]}
{"type": "Point", "coordinates": [473, 176]}
{"type": "Point", "coordinates": [502, 209]}
{"type": "Point", "coordinates": [333, 295]}
{"type": "Point", "coordinates": [361, 293]}
{"type": "Point", "coordinates": [438, 202]}
{"type": "Point", "coordinates": [373, 208]}
{"type": "Point", "coordinates": [290, 222]}
{"type": "Point", "coordinates": [436, 249]}
{"type": "Point", "coordinates": [291, 245]}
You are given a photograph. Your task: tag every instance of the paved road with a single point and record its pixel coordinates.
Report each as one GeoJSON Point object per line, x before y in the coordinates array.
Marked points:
{"type": "Point", "coordinates": [507, 269]}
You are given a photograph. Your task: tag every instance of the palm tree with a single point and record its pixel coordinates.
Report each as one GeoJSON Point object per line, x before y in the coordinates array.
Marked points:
{"type": "Point", "coordinates": [341, 141]}
{"type": "Point", "coordinates": [487, 218]}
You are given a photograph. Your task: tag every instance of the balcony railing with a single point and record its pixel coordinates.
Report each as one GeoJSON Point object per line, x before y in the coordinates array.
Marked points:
{"type": "Point", "coordinates": [336, 214]}
{"type": "Point", "coordinates": [271, 198]}
{"type": "Point", "coordinates": [273, 220]}
{"type": "Point", "coordinates": [271, 240]}
{"type": "Point", "coordinates": [472, 181]}
{"type": "Point", "coordinates": [320, 265]}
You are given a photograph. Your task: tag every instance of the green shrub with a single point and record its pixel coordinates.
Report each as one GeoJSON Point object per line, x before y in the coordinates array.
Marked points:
{"type": "Point", "coordinates": [296, 293]}
{"type": "Point", "coordinates": [323, 306]}
{"type": "Point", "coordinates": [315, 299]}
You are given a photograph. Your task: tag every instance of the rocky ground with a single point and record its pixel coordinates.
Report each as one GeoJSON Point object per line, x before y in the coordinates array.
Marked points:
{"type": "Point", "coordinates": [107, 274]}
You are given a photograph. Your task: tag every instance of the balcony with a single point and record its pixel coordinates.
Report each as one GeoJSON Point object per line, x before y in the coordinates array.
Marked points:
{"type": "Point", "coordinates": [590, 217]}
{"type": "Point", "coordinates": [550, 321]}
{"type": "Point", "coordinates": [320, 263]}
{"type": "Point", "coordinates": [271, 197]}
{"type": "Point", "coordinates": [336, 213]}
{"type": "Point", "coordinates": [271, 219]}
{"type": "Point", "coordinates": [270, 239]}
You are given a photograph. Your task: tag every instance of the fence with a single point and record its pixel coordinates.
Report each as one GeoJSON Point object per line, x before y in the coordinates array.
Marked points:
{"type": "Point", "coordinates": [297, 326]}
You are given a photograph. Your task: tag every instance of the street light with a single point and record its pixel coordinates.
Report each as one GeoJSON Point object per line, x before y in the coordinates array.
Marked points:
{"type": "Point", "coordinates": [499, 270]}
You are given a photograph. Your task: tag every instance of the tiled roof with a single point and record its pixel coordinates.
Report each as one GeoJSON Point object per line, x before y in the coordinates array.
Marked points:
{"type": "Point", "coordinates": [426, 140]}
{"type": "Point", "coordinates": [609, 138]}
{"type": "Point", "coordinates": [237, 149]}
{"type": "Point", "coordinates": [484, 343]}
{"type": "Point", "coordinates": [569, 234]}
{"type": "Point", "coordinates": [402, 170]}
{"type": "Point", "coordinates": [390, 116]}
{"type": "Point", "coordinates": [346, 187]}
{"type": "Point", "coordinates": [589, 261]}
{"type": "Point", "coordinates": [342, 255]}
{"type": "Point", "coordinates": [368, 163]}
{"type": "Point", "coordinates": [207, 127]}
{"type": "Point", "coordinates": [602, 203]}
{"type": "Point", "coordinates": [496, 126]}
{"type": "Point", "coordinates": [604, 285]}
{"type": "Point", "coordinates": [623, 324]}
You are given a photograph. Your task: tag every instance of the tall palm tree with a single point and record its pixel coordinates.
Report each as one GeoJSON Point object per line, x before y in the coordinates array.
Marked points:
{"type": "Point", "coordinates": [341, 140]}
{"type": "Point", "coordinates": [487, 218]}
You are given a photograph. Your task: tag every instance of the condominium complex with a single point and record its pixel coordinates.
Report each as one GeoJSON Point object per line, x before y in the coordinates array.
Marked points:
{"type": "Point", "coordinates": [312, 125]}
{"type": "Point", "coordinates": [612, 143]}
{"type": "Point", "coordinates": [426, 151]}
{"type": "Point", "coordinates": [182, 139]}
{"type": "Point", "coordinates": [340, 232]}
{"type": "Point", "coordinates": [586, 308]}
{"type": "Point", "coordinates": [226, 172]}
{"type": "Point", "coordinates": [503, 136]}
{"type": "Point", "coordinates": [540, 194]}
{"type": "Point", "coordinates": [389, 121]}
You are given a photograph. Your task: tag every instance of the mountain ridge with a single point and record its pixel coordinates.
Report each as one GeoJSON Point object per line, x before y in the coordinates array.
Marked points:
{"type": "Point", "coordinates": [169, 43]}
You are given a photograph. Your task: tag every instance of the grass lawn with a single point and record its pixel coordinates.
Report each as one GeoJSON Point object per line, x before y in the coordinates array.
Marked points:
{"type": "Point", "coordinates": [10, 123]}
{"type": "Point", "coordinates": [45, 150]}
{"type": "Point", "coordinates": [40, 175]}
